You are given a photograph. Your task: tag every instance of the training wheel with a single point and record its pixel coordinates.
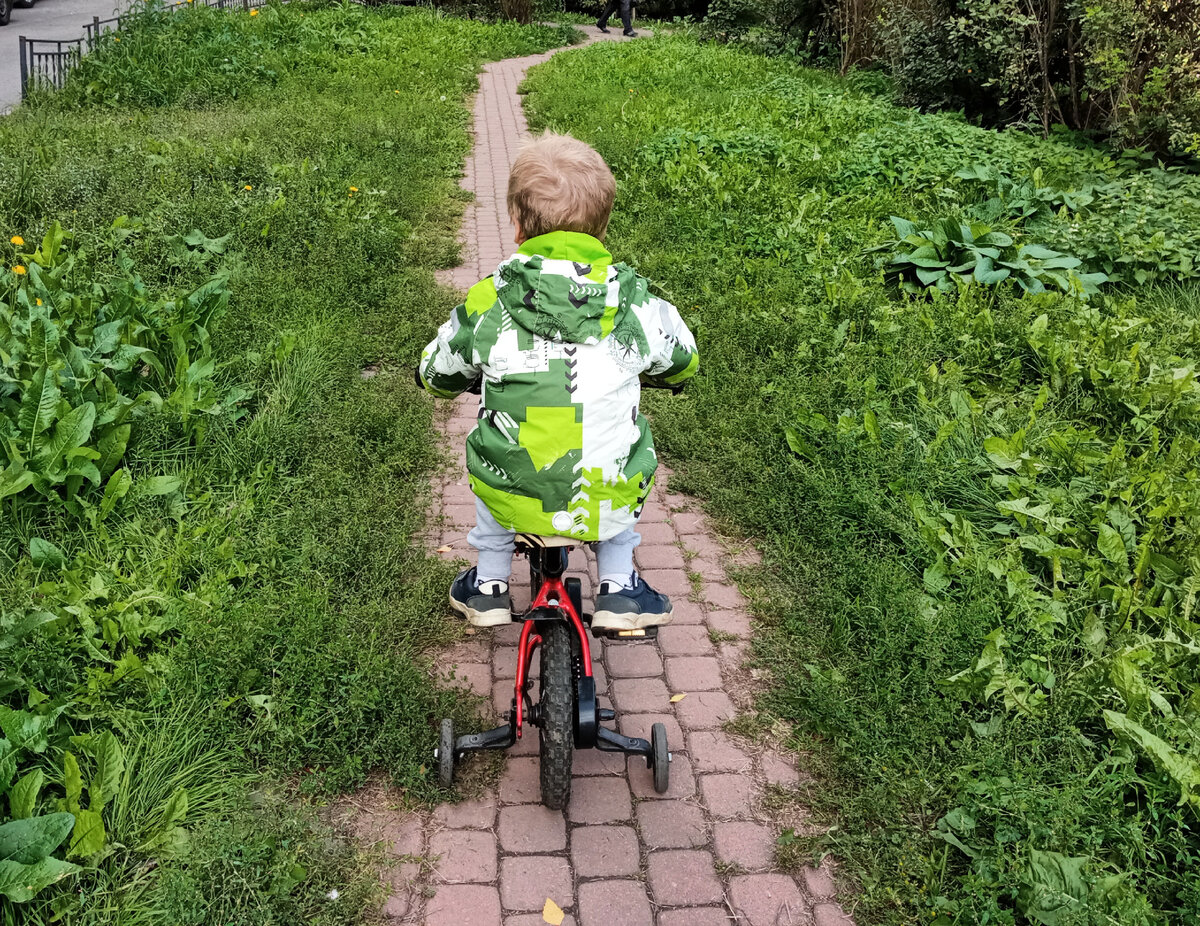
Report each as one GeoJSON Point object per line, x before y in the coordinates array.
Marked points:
{"type": "Point", "coordinates": [446, 754]}
{"type": "Point", "coordinates": [660, 758]}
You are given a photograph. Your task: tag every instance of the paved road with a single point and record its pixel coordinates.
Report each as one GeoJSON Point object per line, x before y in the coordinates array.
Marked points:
{"type": "Point", "coordinates": [49, 19]}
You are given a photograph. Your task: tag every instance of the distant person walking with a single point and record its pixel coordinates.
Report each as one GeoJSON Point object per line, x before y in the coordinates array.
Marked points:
{"type": "Point", "coordinates": [610, 7]}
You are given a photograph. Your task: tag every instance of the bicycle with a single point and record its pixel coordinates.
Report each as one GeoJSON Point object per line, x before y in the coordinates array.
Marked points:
{"type": "Point", "coordinates": [566, 713]}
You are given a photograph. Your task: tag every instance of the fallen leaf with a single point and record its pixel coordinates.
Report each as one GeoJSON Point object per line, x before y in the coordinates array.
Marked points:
{"type": "Point", "coordinates": [552, 913]}
{"type": "Point", "coordinates": [469, 632]}
{"type": "Point", "coordinates": [446, 549]}
{"type": "Point", "coordinates": [675, 699]}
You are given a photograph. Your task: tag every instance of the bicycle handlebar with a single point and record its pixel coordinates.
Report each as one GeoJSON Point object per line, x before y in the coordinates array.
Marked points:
{"type": "Point", "coordinates": [476, 387]}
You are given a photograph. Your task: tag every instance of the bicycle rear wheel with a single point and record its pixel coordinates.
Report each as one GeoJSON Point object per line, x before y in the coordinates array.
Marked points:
{"type": "Point", "coordinates": [557, 708]}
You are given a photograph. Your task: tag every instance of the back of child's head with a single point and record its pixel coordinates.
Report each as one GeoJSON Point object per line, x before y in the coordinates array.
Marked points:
{"type": "Point", "coordinates": [558, 183]}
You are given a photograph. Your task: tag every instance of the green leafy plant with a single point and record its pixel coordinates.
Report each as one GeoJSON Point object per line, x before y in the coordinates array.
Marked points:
{"type": "Point", "coordinates": [81, 359]}
{"type": "Point", "coordinates": [953, 253]}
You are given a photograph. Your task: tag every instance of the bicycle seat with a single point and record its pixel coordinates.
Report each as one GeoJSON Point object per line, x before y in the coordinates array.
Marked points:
{"type": "Point", "coordinates": [533, 540]}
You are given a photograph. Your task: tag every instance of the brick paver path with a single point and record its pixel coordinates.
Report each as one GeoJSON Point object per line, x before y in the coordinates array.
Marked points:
{"type": "Point", "coordinates": [621, 855]}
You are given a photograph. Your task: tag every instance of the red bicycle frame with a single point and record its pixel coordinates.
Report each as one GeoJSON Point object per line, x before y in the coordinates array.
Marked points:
{"type": "Point", "coordinates": [551, 596]}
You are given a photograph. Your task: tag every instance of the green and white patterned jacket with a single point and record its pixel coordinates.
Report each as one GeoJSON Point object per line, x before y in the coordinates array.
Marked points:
{"type": "Point", "coordinates": [561, 336]}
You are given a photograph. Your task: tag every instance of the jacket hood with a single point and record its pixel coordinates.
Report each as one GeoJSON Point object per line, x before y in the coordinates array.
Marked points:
{"type": "Point", "coordinates": [564, 286]}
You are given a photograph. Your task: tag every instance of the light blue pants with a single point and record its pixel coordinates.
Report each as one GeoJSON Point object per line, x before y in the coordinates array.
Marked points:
{"type": "Point", "coordinates": [614, 557]}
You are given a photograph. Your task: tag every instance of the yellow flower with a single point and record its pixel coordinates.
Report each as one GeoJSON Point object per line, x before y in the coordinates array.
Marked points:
{"type": "Point", "coordinates": [116, 38]}
{"type": "Point", "coordinates": [19, 270]}
{"type": "Point", "coordinates": [247, 187]}
{"type": "Point", "coordinates": [39, 302]}
{"type": "Point", "coordinates": [353, 189]}
{"type": "Point", "coordinates": [254, 12]}
{"type": "Point", "coordinates": [17, 240]}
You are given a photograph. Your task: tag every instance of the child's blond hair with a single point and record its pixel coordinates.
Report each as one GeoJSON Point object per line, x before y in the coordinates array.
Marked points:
{"type": "Point", "coordinates": [558, 183]}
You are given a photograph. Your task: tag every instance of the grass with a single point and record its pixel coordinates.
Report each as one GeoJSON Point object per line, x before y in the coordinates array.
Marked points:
{"type": "Point", "coordinates": [955, 670]}
{"type": "Point", "coordinates": [296, 600]}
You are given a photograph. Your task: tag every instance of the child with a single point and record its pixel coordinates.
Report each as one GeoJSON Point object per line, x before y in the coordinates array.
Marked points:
{"type": "Point", "coordinates": [561, 336]}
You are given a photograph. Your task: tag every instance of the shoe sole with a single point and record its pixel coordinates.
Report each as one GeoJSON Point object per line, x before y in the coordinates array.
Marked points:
{"type": "Point", "coordinates": [612, 620]}
{"type": "Point", "coordinates": [494, 618]}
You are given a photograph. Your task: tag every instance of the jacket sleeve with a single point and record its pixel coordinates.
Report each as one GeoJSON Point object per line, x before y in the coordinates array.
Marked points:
{"type": "Point", "coordinates": [673, 355]}
{"type": "Point", "coordinates": [448, 364]}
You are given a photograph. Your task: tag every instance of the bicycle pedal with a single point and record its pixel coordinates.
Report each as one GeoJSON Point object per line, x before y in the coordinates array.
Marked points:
{"type": "Point", "coordinates": [641, 633]}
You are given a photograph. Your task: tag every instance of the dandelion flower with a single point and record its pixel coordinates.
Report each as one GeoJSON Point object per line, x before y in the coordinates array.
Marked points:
{"type": "Point", "coordinates": [17, 240]}
{"type": "Point", "coordinates": [353, 189]}
{"type": "Point", "coordinates": [116, 38]}
{"type": "Point", "coordinates": [247, 187]}
{"type": "Point", "coordinates": [333, 895]}
{"type": "Point", "coordinates": [19, 270]}
{"type": "Point", "coordinates": [254, 12]}
{"type": "Point", "coordinates": [39, 302]}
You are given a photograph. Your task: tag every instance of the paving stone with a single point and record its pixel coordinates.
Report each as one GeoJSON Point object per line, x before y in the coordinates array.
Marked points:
{"type": "Point", "coordinates": [693, 673]}
{"type": "Point", "coordinates": [598, 762]}
{"type": "Point", "coordinates": [683, 876]}
{"type": "Point", "coordinates": [736, 623]}
{"type": "Point", "coordinates": [706, 546]}
{"type": "Point", "coordinates": [399, 881]}
{"type": "Point", "coordinates": [720, 595]}
{"type": "Point", "coordinates": [690, 522]}
{"type": "Point", "coordinates": [504, 662]}
{"type": "Point", "coordinates": [522, 782]}
{"type": "Point", "coordinates": [831, 914]}
{"type": "Point", "coordinates": [656, 533]}
{"type": "Point", "coordinates": [478, 813]}
{"type": "Point", "coordinates": [767, 900]}
{"type": "Point", "coordinates": [459, 516]}
{"type": "Point", "coordinates": [713, 751]}
{"type": "Point", "coordinates": [779, 771]}
{"type": "Point", "coordinates": [463, 905]}
{"type": "Point", "coordinates": [464, 855]}
{"type": "Point", "coordinates": [397, 905]}
{"type": "Point", "coordinates": [614, 903]}
{"type": "Point", "coordinates": [681, 782]}
{"type": "Point", "coordinates": [475, 677]}
{"type": "Point", "coordinates": [476, 648]}
{"type": "Point", "coordinates": [818, 881]}
{"type": "Point", "coordinates": [660, 556]}
{"type": "Point", "coordinates": [640, 724]}
{"type": "Point", "coordinates": [502, 697]}
{"type": "Point", "coordinates": [534, 919]}
{"type": "Point", "coordinates": [640, 695]}
{"type": "Point", "coordinates": [732, 655]}
{"type": "Point", "coordinates": [672, 824]}
{"type": "Point", "coordinates": [685, 613]}
{"type": "Point", "coordinates": [694, 916]}
{"type": "Point", "coordinates": [633, 660]}
{"type": "Point", "coordinates": [599, 799]}
{"type": "Point", "coordinates": [398, 834]}
{"type": "Point", "coordinates": [704, 710]}
{"type": "Point", "coordinates": [526, 828]}
{"type": "Point", "coordinates": [727, 796]}
{"type": "Point", "coordinates": [605, 851]}
{"type": "Point", "coordinates": [527, 880]}
{"type": "Point", "coordinates": [750, 846]}
{"type": "Point", "coordinates": [684, 640]}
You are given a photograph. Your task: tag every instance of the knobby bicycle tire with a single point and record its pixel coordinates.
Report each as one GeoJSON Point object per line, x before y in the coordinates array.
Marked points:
{"type": "Point", "coordinates": [556, 733]}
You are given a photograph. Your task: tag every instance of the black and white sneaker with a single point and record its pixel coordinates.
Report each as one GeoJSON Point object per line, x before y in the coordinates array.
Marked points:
{"type": "Point", "coordinates": [603, 27]}
{"type": "Point", "coordinates": [630, 608]}
{"type": "Point", "coordinates": [629, 35]}
{"type": "Point", "coordinates": [482, 609]}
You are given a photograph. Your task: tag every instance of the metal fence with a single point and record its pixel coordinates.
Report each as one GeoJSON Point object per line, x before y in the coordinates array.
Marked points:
{"type": "Point", "coordinates": [45, 63]}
